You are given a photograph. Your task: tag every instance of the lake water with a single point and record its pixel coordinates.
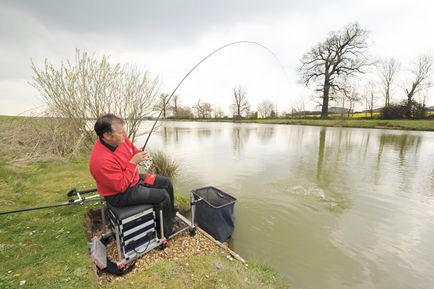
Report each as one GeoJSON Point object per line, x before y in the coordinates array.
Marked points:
{"type": "Point", "coordinates": [326, 207]}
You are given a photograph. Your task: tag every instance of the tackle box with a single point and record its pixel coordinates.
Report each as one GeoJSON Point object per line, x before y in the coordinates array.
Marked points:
{"type": "Point", "coordinates": [135, 230]}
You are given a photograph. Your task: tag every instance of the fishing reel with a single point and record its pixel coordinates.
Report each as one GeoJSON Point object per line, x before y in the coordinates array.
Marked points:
{"type": "Point", "coordinates": [146, 165]}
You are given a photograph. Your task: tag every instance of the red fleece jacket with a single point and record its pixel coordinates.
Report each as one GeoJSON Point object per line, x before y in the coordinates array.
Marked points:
{"type": "Point", "coordinates": [113, 171]}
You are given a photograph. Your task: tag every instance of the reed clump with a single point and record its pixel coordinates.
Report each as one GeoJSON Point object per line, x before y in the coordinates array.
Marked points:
{"type": "Point", "coordinates": [163, 165]}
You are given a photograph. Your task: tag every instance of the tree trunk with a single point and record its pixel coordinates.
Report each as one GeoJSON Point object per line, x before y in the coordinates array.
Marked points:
{"type": "Point", "coordinates": [408, 113]}
{"type": "Point", "coordinates": [387, 97]}
{"type": "Point", "coordinates": [325, 101]}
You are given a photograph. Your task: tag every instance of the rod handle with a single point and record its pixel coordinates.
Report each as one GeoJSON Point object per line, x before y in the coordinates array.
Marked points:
{"type": "Point", "coordinates": [74, 191]}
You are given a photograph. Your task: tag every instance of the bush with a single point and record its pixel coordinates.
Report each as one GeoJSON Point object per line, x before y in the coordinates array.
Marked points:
{"type": "Point", "coordinates": [415, 110]}
{"type": "Point", "coordinates": [403, 110]}
{"type": "Point", "coordinates": [393, 111]}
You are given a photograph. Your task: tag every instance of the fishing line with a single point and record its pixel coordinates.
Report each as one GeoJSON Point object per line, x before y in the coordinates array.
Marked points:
{"type": "Point", "coordinates": [205, 58]}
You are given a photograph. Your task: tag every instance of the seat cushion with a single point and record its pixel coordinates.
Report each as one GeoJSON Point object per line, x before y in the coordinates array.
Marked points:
{"type": "Point", "coordinates": [128, 211]}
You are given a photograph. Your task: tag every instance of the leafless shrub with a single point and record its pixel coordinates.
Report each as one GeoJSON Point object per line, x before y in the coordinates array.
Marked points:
{"type": "Point", "coordinates": [76, 94]}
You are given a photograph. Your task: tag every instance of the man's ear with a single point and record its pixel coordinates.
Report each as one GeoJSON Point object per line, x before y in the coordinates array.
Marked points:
{"type": "Point", "coordinates": [106, 135]}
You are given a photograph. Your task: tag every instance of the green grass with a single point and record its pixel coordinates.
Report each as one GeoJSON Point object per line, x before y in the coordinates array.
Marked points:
{"type": "Point", "coordinates": [356, 115]}
{"type": "Point", "coordinates": [47, 248]}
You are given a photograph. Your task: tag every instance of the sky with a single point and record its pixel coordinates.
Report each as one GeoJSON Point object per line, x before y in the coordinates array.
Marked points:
{"type": "Point", "coordinates": [167, 38]}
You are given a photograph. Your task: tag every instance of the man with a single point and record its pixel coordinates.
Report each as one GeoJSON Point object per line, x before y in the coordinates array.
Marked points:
{"type": "Point", "coordinates": [113, 164]}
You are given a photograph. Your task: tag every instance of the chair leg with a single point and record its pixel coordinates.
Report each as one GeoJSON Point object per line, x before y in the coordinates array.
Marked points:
{"type": "Point", "coordinates": [162, 225]}
{"type": "Point", "coordinates": [103, 218]}
{"type": "Point", "coordinates": [118, 243]}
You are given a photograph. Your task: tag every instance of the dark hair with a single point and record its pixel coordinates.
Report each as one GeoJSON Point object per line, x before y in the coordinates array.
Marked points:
{"type": "Point", "coordinates": [104, 124]}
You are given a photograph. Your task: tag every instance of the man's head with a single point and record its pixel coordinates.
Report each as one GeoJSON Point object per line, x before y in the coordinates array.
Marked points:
{"type": "Point", "coordinates": [110, 128]}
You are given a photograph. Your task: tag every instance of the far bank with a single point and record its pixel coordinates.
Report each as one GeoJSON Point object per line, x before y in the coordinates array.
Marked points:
{"type": "Point", "coordinates": [419, 125]}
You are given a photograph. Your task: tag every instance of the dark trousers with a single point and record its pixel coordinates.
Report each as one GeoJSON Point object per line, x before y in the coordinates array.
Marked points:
{"type": "Point", "coordinates": [159, 194]}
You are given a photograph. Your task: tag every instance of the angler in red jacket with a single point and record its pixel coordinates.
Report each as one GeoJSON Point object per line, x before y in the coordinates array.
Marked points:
{"type": "Point", "coordinates": [113, 165]}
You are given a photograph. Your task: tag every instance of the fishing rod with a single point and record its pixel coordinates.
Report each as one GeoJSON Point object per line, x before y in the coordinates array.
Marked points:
{"type": "Point", "coordinates": [74, 191]}
{"type": "Point", "coordinates": [71, 201]}
{"type": "Point", "coordinates": [194, 67]}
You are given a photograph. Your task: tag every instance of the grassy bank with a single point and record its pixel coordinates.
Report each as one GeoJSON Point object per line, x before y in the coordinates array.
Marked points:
{"type": "Point", "coordinates": [422, 125]}
{"type": "Point", "coordinates": [47, 248]}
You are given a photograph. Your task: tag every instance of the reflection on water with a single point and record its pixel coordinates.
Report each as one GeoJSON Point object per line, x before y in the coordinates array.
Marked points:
{"type": "Point", "coordinates": [239, 136]}
{"type": "Point", "coordinates": [265, 133]}
{"type": "Point", "coordinates": [322, 136]}
{"type": "Point", "coordinates": [327, 207]}
{"type": "Point", "coordinates": [400, 143]}
{"type": "Point", "coordinates": [174, 134]}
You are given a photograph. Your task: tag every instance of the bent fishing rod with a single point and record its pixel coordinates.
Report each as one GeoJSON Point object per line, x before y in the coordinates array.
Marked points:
{"type": "Point", "coordinates": [70, 194]}
{"type": "Point", "coordinates": [81, 200]}
{"type": "Point", "coordinates": [200, 62]}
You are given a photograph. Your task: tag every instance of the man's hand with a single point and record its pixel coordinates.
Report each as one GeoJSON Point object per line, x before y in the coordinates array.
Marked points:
{"type": "Point", "coordinates": [140, 157]}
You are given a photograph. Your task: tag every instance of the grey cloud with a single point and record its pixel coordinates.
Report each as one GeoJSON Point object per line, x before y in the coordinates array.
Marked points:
{"type": "Point", "coordinates": [50, 28]}
{"type": "Point", "coordinates": [38, 29]}
{"type": "Point", "coordinates": [153, 22]}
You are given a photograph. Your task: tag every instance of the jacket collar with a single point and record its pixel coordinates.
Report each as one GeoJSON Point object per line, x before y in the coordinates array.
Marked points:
{"type": "Point", "coordinates": [110, 147]}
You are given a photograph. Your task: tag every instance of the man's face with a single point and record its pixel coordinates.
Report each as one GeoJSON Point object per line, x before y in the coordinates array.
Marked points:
{"type": "Point", "coordinates": [117, 136]}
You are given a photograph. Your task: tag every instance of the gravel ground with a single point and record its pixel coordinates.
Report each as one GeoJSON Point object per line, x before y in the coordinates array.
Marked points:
{"type": "Point", "coordinates": [181, 246]}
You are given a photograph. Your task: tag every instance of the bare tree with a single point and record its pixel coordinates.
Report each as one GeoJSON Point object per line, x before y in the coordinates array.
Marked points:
{"type": "Point", "coordinates": [340, 98]}
{"type": "Point", "coordinates": [299, 108]}
{"type": "Point", "coordinates": [90, 87]}
{"type": "Point", "coordinates": [163, 104]}
{"type": "Point", "coordinates": [369, 98]}
{"type": "Point", "coordinates": [388, 70]}
{"type": "Point", "coordinates": [184, 112]}
{"type": "Point", "coordinates": [253, 115]}
{"type": "Point", "coordinates": [421, 73]}
{"type": "Point", "coordinates": [218, 112]}
{"type": "Point", "coordinates": [292, 113]}
{"type": "Point", "coordinates": [175, 105]}
{"type": "Point", "coordinates": [265, 108]}
{"type": "Point", "coordinates": [353, 98]}
{"type": "Point", "coordinates": [240, 107]}
{"type": "Point", "coordinates": [203, 109]}
{"type": "Point", "coordinates": [423, 97]}
{"type": "Point", "coordinates": [341, 55]}
{"type": "Point", "coordinates": [347, 96]}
